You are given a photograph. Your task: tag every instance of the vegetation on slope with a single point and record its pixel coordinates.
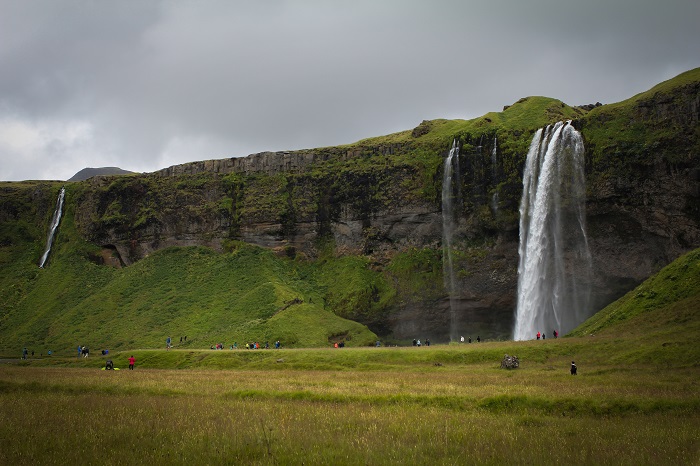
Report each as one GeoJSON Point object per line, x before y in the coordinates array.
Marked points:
{"type": "Point", "coordinates": [676, 287]}
{"type": "Point", "coordinates": [246, 294]}
{"type": "Point", "coordinates": [658, 321]}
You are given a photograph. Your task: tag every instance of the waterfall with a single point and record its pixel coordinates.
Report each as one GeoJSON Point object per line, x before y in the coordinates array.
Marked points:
{"type": "Point", "coordinates": [494, 176]}
{"type": "Point", "coordinates": [450, 203]}
{"type": "Point", "coordinates": [555, 266]}
{"type": "Point", "coordinates": [55, 220]}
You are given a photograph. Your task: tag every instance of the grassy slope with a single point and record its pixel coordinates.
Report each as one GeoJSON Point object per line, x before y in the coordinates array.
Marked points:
{"type": "Point", "coordinates": [656, 325]}
{"type": "Point", "coordinates": [238, 296]}
{"type": "Point", "coordinates": [613, 129]}
{"type": "Point", "coordinates": [659, 321]}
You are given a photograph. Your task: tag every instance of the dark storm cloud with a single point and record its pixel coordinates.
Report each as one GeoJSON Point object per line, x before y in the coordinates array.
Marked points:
{"type": "Point", "coordinates": [143, 85]}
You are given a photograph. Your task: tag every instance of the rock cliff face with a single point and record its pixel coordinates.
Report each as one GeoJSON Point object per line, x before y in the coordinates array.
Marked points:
{"type": "Point", "coordinates": [379, 198]}
{"type": "Point", "coordinates": [643, 187]}
{"type": "Point", "coordinates": [273, 163]}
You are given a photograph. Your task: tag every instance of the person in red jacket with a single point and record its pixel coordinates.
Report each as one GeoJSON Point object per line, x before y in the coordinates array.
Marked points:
{"type": "Point", "coordinates": [132, 361]}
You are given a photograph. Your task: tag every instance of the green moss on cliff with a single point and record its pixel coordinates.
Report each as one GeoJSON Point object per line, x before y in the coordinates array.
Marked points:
{"type": "Point", "coordinates": [417, 274]}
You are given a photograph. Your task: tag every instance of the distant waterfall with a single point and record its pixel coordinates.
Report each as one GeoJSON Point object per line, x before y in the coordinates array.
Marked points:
{"type": "Point", "coordinates": [555, 263]}
{"type": "Point", "coordinates": [55, 220]}
{"type": "Point", "coordinates": [494, 175]}
{"type": "Point", "coordinates": [450, 203]}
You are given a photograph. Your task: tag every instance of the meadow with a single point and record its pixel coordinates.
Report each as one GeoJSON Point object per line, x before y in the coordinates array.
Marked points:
{"type": "Point", "coordinates": [444, 404]}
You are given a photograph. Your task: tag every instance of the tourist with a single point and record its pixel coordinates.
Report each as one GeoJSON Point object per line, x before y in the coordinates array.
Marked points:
{"type": "Point", "coordinates": [478, 339]}
{"type": "Point", "coordinates": [556, 334]}
{"type": "Point", "coordinates": [573, 368]}
{"type": "Point", "coordinates": [167, 343]}
{"type": "Point", "coordinates": [461, 339]}
{"type": "Point", "coordinates": [538, 335]}
{"type": "Point", "coordinates": [132, 361]}
{"type": "Point", "coordinates": [470, 339]}
{"type": "Point", "coordinates": [24, 353]}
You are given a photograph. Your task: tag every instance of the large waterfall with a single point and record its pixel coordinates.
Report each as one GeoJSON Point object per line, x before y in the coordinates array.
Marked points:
{"type": "Point", "coordinates": [55, 220]}
{"type": "Point", "coordinates": [555, 263]}
{"type": "Point", "coordinates": [450, 203]}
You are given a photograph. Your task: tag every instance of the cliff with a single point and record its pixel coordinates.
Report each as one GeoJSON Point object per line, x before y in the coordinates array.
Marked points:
{"type": "Point", "coordinates": [380, 199]}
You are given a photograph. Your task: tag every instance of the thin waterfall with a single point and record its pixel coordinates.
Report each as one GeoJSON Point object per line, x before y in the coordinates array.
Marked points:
{"type": "Point", "coordinates": [450, 205]}
{"type": "Point", "coordinates": [494, 176]}
{"type": "Point", "coordinates": [555, 266]}
{"type": "Point", "coordinates": [55, 220]}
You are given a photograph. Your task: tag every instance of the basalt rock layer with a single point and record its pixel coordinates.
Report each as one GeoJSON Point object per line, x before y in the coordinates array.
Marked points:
{"type": "Point", "coordinates": [380, 198]}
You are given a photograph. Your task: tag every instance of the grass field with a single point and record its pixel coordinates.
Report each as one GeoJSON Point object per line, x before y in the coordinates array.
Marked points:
{"type": "Point", "coordinates": [635, 400]}
{"type": "Point", "coordinates": [438, 405]}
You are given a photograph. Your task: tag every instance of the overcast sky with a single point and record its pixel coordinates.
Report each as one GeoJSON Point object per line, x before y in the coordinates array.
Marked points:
{"type": "Point", "coordinates": [143, 85]}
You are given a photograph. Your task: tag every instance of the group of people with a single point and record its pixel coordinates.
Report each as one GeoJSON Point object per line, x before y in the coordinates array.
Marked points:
{"type": "Point", "coordinates": [253, 345]}
{"type": "Point", "coordinates": [109, 365]}
{"type": "Point", "coordinates": [543, 336]}
{"type": "Point", "coordinates": [478, 339]}
{"type": "Point", "coordinates": [169, 341]}
{"type": "Point", "coordinates": [418, 342]}
{"type": "Point", "coordinates": [25, 353]}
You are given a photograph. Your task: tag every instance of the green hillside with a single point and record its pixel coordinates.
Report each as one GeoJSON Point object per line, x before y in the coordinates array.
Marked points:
{"type": "Point", "coordinates": [659, 321]}
{"type": "Point", "coordinates": [245, 294]}
{"type": "Point", "coordinates": [677, 283]}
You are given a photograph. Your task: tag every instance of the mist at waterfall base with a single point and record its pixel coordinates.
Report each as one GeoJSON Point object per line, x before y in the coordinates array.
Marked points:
{"type": "Point", "coordinates": [450, 203]}
{"type": "Point", "coordinates": [555, 267]}
{"type": "Point", "coordinates": [55, 220]}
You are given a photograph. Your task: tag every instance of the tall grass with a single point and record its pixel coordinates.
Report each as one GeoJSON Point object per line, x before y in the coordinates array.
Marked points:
{"type": "Point", "coordinates": [472, 414]}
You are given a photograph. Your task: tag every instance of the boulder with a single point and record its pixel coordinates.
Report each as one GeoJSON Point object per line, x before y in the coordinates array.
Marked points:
{"type": "Point", "coordinates": [510, 362]}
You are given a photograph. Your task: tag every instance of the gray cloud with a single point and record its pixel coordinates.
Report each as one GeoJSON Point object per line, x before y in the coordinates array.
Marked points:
{"type": "Point", "coordinates": [144, 85]}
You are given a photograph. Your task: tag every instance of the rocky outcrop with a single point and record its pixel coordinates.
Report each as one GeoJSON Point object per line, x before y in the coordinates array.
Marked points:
{"type": "Point", "coordinates": [273, 163]}
{"type": "Point", "coordinates": [643, 207]}
{"type": "Point", "coordinates": [510, 362]}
